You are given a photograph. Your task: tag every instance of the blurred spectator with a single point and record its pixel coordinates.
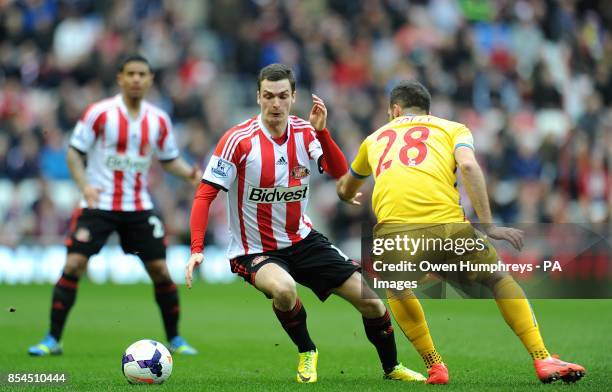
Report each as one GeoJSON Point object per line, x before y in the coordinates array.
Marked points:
{"type": "Point", "coordinates": [12, 99]}
{"type": "Point", "coordinates": [589, 121]}
{"type": "Point", "coordinates": [22, 160]}
{"type": "Point", "coordinates": [594, 188]}
{"type": "Point", "coordinates": [4, 149]}
{"type": "Point", "coordinates": [44, 221]}
{"type": "Point", "coordinates": [53, 165]}
{"type": "Point", "coordinates": [545, 92]}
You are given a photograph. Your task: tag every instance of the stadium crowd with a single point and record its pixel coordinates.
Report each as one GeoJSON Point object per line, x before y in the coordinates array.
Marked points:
{"type": "Point", "coordinates": [532, 79]}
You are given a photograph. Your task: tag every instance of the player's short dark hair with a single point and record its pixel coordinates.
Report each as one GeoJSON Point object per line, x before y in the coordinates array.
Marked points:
{"type": "Point", "coordinates": [133, 57]}
{"type": "Point", "coordinates": [410, 93]}
{"type": "Point", "coordinates": [275, 72]}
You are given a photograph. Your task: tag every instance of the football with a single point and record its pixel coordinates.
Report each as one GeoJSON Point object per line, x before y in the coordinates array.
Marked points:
{"type": "Point", "coordinates": [146, 362]}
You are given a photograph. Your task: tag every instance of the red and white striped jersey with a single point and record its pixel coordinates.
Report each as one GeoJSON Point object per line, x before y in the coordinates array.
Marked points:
{"type": "Point", "coordinates": [119, 150]}
{"type": "Point", "coordinates": [267, 184]}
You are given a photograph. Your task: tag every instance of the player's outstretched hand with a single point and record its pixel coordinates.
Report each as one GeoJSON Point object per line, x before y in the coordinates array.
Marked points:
{"type": "Point", "coordinates": [318, 113]}
{"type": "Point", "coordinates": [194, 261]}
{"type": "Point", "coordinates": [196, 176]}
{"type": "Point", "coordinates": [513, 236]}
{"type": "Point", "coordinates": [92, 196]}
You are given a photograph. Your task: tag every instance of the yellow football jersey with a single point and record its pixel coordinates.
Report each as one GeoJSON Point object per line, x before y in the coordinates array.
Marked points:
{"type": "Point", "coordinates": [413, 163]}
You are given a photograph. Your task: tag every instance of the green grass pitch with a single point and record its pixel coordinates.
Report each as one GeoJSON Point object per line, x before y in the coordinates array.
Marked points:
{"type": "Point", "coordinates": [242, 346]}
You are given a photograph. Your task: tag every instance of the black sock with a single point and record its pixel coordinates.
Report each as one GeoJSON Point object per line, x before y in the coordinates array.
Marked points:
{"type": "Point", "coordinates": [64, 295]}
{"type": "Point", "coordinates": [294, 323]}
{"type": "Point", "coordinates": [167, 299]}
{"type": "Point", "coordinates": [380, 333]}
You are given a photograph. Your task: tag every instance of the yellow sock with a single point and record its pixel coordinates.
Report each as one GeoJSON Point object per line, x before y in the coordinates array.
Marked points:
{"type": "Point", "coordinates": [517, 312]}
{"type": "Point", "coordinates": [408, 313]}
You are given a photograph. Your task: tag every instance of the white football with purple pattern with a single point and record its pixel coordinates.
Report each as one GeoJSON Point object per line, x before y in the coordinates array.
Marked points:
{"type": "Point", "coordinates": [146, 362]}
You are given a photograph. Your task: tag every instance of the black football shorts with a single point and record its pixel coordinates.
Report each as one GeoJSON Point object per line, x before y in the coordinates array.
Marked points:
{"type": "Point", "coordinates": [313, 262]}
{"type": "Point", "coordinates": [141, 233]}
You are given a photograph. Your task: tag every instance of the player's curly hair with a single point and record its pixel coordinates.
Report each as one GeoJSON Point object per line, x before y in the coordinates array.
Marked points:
{"type": "Point", "coordinates": [275, 72]}
{"type": "Point", "coordinates": [410, 93]}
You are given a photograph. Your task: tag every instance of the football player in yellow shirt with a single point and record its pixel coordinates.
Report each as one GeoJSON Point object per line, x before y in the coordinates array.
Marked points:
{"type": "Point", "coordinates": [414, 159]}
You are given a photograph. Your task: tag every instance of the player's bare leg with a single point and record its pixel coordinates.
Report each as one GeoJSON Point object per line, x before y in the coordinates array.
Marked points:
{"type": "Point", "coordinates": [277, 284]}
{"type": "Point", "coordinates": [64, 296]}
{"type": "Point", "coordinates": [158, 271]}
{"type": "Point", "coordinates": [378, 328]}
{"type": "Point", "coordinates": [76, 264]}
{"type": "Point", "coordinates": [361, 297]}
{"type": "Point", "coordinates": [166, 296]}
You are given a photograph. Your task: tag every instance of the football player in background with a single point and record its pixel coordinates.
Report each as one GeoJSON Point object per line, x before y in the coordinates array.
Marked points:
{"type": "Point", "coordinates": [109, 157]}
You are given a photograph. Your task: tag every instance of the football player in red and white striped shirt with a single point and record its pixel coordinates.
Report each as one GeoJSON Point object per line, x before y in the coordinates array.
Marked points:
{"type": "Point", "coordinates": [119, 136]}
{"type": "Point", "coordinates": [264, 165]}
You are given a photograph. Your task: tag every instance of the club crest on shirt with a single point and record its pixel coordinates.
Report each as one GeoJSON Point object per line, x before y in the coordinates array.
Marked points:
{"type": "Point", "coordinates": [221, 169]}
{"type": "Point", "coordinates": [258, 260]}
{"type": "Point", "coordinates": [299, 172]}
{"type": "Point", "coordinates": [82, 235]}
